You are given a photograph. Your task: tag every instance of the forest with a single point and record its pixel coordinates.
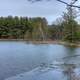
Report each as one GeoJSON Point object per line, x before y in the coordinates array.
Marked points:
{"type": "Point", "coordinates": [37, 28]}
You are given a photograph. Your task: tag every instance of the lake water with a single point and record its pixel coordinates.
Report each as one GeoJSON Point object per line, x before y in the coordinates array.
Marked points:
{"type": "Point", "coordinates": [21, 57]}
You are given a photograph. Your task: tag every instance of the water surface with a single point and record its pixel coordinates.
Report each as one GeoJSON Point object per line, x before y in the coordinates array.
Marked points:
{"type": "Point", "coordinates": [21, 57]}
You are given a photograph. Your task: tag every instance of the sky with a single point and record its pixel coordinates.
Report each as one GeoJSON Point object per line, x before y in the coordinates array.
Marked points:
{"type": "Point", "coordinates": [49, 9]}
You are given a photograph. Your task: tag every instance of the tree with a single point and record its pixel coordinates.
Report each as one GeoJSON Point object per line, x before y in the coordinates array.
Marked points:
{"type": "Point", "coordinates": [37, 29]}
{"type": "Point", "coordinates": [70, 25]}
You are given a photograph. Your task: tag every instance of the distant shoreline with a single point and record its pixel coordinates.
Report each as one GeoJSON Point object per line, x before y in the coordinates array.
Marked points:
{"type": "Point", "coordinates": [45, 42]}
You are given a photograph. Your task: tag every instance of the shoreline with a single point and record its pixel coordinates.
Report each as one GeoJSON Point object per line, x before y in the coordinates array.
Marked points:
{"type": "Point", "coordinates": [45, 42]}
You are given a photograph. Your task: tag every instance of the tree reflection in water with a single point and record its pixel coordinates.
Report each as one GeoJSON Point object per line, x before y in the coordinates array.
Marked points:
{"type": "Point", "coordinates": [70, 72]}
{"type": "Point", "coordinates": [71, 62]}
{"type": "Point", "coordinates": [68, 67]}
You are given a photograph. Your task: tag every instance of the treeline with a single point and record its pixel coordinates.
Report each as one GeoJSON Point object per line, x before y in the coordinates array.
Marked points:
{"type": "Point", "coordinates": [64, 33]}
{"type": "Point", "coordinates": [65, 28]}
{"type": "Point", "coordinates": [23, 28]}
{"type": "Point", "coordinates": [38, 29]}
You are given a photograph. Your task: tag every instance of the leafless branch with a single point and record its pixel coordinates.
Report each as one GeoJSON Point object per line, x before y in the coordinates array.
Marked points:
{"type": "Point", "coordinates": [69, 4]}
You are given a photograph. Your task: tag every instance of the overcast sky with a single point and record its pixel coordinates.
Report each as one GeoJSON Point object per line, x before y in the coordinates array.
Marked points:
{"type": "Point", "coordinates": [50, 9]}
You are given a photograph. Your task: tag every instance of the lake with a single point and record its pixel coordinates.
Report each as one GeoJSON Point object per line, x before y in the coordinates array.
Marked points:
{"type": "Point", "coordinates": [22, 57]}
